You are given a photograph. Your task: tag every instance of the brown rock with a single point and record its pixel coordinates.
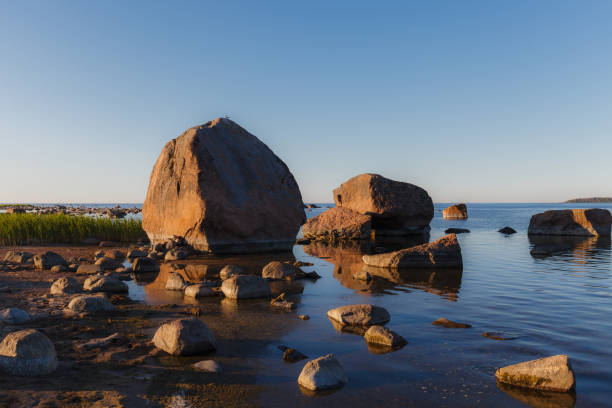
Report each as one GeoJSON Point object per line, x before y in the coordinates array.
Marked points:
{"type": "Point", "coordinates": [395, 207]}
{"type": "Point", "coordinates": [443, 253]}
{"type": "Point", "coordinates": [338, 223]}
{"type": "Point", "coordinates": [548, 374]}
{"type": "Point", "coordinates": [455, 212]}
{"type": "Point", "coordinates": [444, 322]}
{"type": "Point", "coordinates": [582, 222]}
{"type": "Point", "coordinates": [224, 190]}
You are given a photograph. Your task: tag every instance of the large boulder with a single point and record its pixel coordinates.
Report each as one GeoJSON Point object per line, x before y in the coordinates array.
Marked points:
{"type": "Point", "coordinates": [245, 287]}
{"type": "Point", "coordinates": [184, 337]}
{"type": "Point", "coordinates": [276, 270]}
{"type": "Point", "coordinates": [322, 373]}
{"type": "Point", "coordinates": [547, 374]}
{"type": "Point", "coordinates": [455, 212]}
{"type": "Point", "coordinates": [337, 224]}
{"type": "Point", "coordinates": [442, 253]}
{"type": "Point", "coordinates": [28, 353]}
{"type": "Point", "coordinates": [48, 259]}
{"type": "Point", "coordinates": [224, 190]}
{"type": "Point", "coordinates": [395, 207]}
{"type": "Point", "coordinates": [144, 265]}
{"type": "Point", "coordinates": [582, 222]}
{"type": "Point", "coordinates": [359, 315]}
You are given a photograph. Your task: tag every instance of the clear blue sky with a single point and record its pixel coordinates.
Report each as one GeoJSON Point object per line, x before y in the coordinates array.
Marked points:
{"type": "Point", "coordinates": [472, 100]}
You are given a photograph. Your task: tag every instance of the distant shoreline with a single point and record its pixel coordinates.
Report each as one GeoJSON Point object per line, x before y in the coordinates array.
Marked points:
{"type": "Point", "coordinates": [589, 200]}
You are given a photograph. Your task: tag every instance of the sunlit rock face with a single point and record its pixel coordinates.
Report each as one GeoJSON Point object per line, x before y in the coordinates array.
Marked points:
{"type": "Point", "coordinates": [224, 190]}
{"type": "Point", "coordinates": [580, 222]}
{"type": "Point", "coordinates": [455, 212]}
{"type": "Point", "coordinates": [396, 208]}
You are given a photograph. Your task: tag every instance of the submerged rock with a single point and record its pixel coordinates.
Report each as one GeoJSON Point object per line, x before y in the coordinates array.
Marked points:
{"type": "Point", "coordinates": [48, 259]}
{"type": "Point", "coordinates": [382, 336]}
{"type": "Point", "coordinates": [338, 223]}
{"type": "Point", "coordinates": [208, 366]}
{"type": "Point", "coordinates": [322, 373]}
{"type": "Point", "coordinates": [64, 286]}
{"type": "Point", "coordinates": [245, 286]}
{"type": "Point", "coordinates": [457, 231]}
{"type": "Point", "coordinates": [230, 270]}
{"type": "Point", "coordinates": [444, 322]}
{"type": "Point", "coordinates": [100, 283]}
{"type": "Point", "coordinates": [580, 222]}
{"type": "Point", "coordinates": [455, 212]}
{"type": "Point", "coordinates": [395, 207]}
{"type": "Point", "coordinates": [359, 315]}
{"type": "Point", "coordinates": [507, 231]}
{"type": "Point", "coordinates": [28, 353]}
{"type": "Point", "coordinates": [90, 303]}
{"type": "Point", "coordinates": [278, 270]}
{"type": "Point", "coordinates": [13, 315]}
{"type": "Point", "coordinates": [549, 374]}
{"type": "Point", "coordinates": [281, 303]}
{"type": "Point", "coordinates": [292, 355]}
{"type": "Point", "coordinates": [442, 253]}
{"type": "Point", "coordinates": [184, 337]}
{"type": "Point", "coordinates": [233, 194]}
{"type": "Point", "coordinates": [199, 290]}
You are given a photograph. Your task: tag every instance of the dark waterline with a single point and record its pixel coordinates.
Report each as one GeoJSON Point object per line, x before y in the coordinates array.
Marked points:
{"type": "Point", "coordinates": [560, 304]}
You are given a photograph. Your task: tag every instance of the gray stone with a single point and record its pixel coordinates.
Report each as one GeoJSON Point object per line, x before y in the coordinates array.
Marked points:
{"type": "Point", "coordinates": [89, 269]}
{"type": "Point", "coordinates": [90, 303]}
{"type": "Point", "coordinates": [27, 353]}
{"type": "Point", "coordinates": [100, 283]}
{"type": "Point", "coordinates": [382, 336]}
{"type": "Point", "coordinates": [230, 270]}
{"type": "Point", "coordinates": [208, 366]}
{"type": "Point", "coordinates": [322, 373]}
{"type": "Point", "coordinates": [14, 315]}
{"type": "Point", "coordinates": [359, 315]}
{"type": "Point", "coordinates": [107, 263]}
{"type": "Point", "coordinates": [199, 290]}
{"type": "Point", "coordinates": [547, 374]}
{"type": "Point", "coordinates": [175, 282]}
{"type": "Point", "coordinates": [245, 286]}
{"type": "Point", "coordinates": [64, 286]}
{"type": "Point", "coordinates": [278, 270]}
{"type": "Point", "coordinates": [48, 259]}
{"type": "Point", "coordinates": [183, 337]}
{"type": "Point", "coordinates": [175, 254]}
{"type": "Point", "coordinates": [18, 257]}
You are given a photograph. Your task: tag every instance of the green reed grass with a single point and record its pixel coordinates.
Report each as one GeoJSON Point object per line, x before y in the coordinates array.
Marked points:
{"type": "Point", "coordinates": [27, 229]}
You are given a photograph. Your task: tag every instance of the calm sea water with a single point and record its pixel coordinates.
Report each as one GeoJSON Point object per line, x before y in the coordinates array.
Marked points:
{"type": "Point", "coordinates": [560, 304]}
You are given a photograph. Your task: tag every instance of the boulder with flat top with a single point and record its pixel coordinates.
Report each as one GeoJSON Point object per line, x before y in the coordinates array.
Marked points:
{"type": "Point", "coordinates": [580, 222]}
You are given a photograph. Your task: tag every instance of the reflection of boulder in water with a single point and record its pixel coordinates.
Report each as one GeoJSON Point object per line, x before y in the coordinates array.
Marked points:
{"type": "Point", "coordinates": [581, 248]}
{"type": "Point", "coordinates": [540, 399]}
{"type": "Point", "coordinates": [192, 273]}
{"type": "Point", "coordinates": [347, 260]}
{"type": "Point", "coordinates": [144, 278]}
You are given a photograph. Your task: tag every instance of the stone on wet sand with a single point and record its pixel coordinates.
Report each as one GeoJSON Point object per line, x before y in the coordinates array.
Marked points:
{"type": "Point", "coordinates": [292, 355]}
{"type": "Point", "coordinates": [18, 257]}
{"type": "Point", "coordinates": [144, 265]}
{"type": "Point", "coordinates": [278, 270]}
{"type": "Point", "coordinates": [90, 303]}
{"type": "Point", "coordinates": [382, 336]}
{"type": "Point", "coordinates": [59, 268]}
{"type": "Point", "coordinates": [230, 270]}
{"type": "Point", "coordinates": [507, 230]}
{"type": "Point", "coordinates": [107, 263]}
{"type": "Point", "coordinates": [183, 337]}
{"type": "Point", "coordinates": [442, 253]}
{"type": "Point", "coordinates": [208, 366]}
{"type": "Point", "coordinates": [116, 254]}
{"type": "Point", "coordinates": [362, 315]}
{"type": "Point", "coordinates": [303, 317]}
{"type": "Point", "coordinates": [322, 373]}
{"type": "Point", "coordinates": [48, 259]}
{"type": "Point", "coordinates": [395, 207]}
{"type": "Point", "coordinates": [223, 167]}
{"type": "Point", "coordinates": [27, 353]}
{"type": "Point", "coordinates": [577, 222]}
{"type": "Point", "coordinates": [338, 223]}
{"type": "Point", "coordinates": [175, 282]}
{"type": "Point", "coordinates": [455, 212]}
{"type": "Point", "coordinates": [199, 290]}
{"type": "Point", "coordinates": [89, 269]}
{"type": "Point", "coordinates": [444, 322]}
{"type": "Point", "coordinates": [136, 253]}
{"type": "Point", "coordinates": [64, 286]}
{"type": "Point", "coordinates": [547, 374]}
{"type": "Point", "coordinates": [13, 315]}
{"type": "Point", "coordinates": [98, 343]}
{"type": "Point", "coordinates": [245, 286]}
{"type": "Point", "coordinates": [101, 283]}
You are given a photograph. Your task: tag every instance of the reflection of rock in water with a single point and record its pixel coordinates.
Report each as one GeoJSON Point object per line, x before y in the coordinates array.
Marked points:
{"type": "Point", "coordinates": [581, 248]}
{"type": "Point", "coordinates": [540, 399]}
{"type": "Point", "coordinates": [347, 263]}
